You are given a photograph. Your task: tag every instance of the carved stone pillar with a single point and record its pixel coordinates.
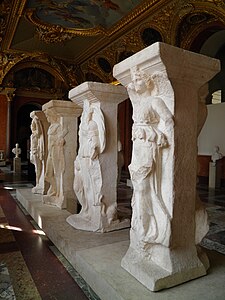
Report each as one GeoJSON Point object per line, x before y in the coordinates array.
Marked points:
{"type": "Point", "coordinates": [39, 149]}
{"type": "Point", "coordinates": [96, 169]}
{"type": "Point", "coordinates": [163, 83]}
{"type": "Point", "coordinates": [62, 148]}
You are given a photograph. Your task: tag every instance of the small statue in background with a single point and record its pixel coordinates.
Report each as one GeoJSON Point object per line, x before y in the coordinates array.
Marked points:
{"type": "Point", "coordinates": [16, 151]}
{"type": "Point", "coordinates": [16, 159]}
{"type": "Point", "coordinates": [216, 154]}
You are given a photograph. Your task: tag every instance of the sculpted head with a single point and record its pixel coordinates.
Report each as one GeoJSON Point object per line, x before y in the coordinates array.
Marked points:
{"type": "Point", "coordinates": [51, 116]}
{"type": "Point", "coordinates": [141, 80]}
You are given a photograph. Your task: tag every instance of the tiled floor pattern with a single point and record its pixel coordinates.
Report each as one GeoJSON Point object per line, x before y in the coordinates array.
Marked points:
{"type": "Point", "coordinates": [34, 269]}
{"type": "Point", "coordinates": [27, 283]}
{"type": "Point", "coordinates": [22, 284]}
{"type": "Point", "coordinates": [6, 287]}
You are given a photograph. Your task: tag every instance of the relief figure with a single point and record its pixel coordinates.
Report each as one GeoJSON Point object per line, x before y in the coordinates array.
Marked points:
{"type": "Point", "coordinates": [55, 165]}
{"type": "Point", "coordinates": [37, 149]}
{"type": "Point", "coordinates": [88, 176]}
{"type": "Point", "coordinates": [151, 218]}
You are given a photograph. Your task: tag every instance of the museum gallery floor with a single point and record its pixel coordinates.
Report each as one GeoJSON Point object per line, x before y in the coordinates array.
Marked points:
{"type": "Point", "coordinates": [32, 267]}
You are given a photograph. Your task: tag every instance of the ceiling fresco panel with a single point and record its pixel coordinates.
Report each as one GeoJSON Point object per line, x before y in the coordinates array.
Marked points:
{"type": "Point", "coordinates": [82, 14]}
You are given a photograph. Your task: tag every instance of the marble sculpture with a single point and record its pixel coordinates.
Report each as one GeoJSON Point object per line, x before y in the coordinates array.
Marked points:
{"type": "Point", "coordinates": [55, 165]}
{"type": "Point", "coordinates": [62, 149]}
{"type": "Point", "coordinates": [216, 154]}
{"type": "Point", "coordinates": [16, 151]}
{"type": "Point", "coordinates": [167, 225]}
{"type": "Point", "coordinates": [16, 159]}
{"type": "Point", "coordinates": [96, 172]}
{"type": "Point", "coordinates": [38, 149]}
{"type": "Point", "coordinates": [88, 174]}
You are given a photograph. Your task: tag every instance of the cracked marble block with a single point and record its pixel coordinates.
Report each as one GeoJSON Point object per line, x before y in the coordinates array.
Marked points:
{"type": "Point", "coordinates": [164, 84]}
{"type": "Point", "coordinates": [62, 150]}
{"type": "Point", "coordinates": [38, 149]}
{"type": "Point", "coordinates": [95, 167]}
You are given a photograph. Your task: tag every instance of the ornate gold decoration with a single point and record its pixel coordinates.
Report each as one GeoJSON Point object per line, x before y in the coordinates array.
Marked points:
{"type": "Point", "coordinates": [4, 13]}
{"type": "Point", "coordinates": [214, 13]}
{"type": "Point", "coordinates": [54, 34]}
{"type": "Point", "coordinates": [12, 62]}
{"type": "Point", "coordinates": [7, 61]}
{"type": "Point", "coordinates": [8, 92]}
{"type": "Point", "coordinates": [219, 3]}
{"type": "Point", "coordinates": [140, 15]}
{"type": "Point", "coordinates": [13, 19]}
{"type": "Point", "coordinates": [30, 15]}
{"type": "Point", "coordinates": [163, 20]}
{"type": "Point", "coordinates": [72, 73]}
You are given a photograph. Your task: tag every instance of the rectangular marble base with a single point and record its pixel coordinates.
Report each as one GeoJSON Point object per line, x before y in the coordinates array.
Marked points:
{"type": "Point", "coordinates": [97, 257]}
{"type": "Point", "coordinates": [156, 278]}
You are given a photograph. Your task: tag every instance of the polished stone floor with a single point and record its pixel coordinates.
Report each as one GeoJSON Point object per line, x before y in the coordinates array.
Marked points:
{"type": "Point", "coordinates": [32, 268]}
{"type": "Point", "coordinates": [30, 265]}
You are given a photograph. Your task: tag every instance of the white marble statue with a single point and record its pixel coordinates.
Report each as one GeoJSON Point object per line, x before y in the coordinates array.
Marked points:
{"type": "Point", "coordinates": [55, 165]}
{"type": "Point", "coordinates": [216, 154]}
{"type": "Point", "coordinates": [16, 151]}
{"type": "Point", "coordinates": [151, 218]}
{"type": "Point", "coordinates": [96, 165]}
{"type": "Point", "coordinates": [166, 222]}
{"type": "Point", "coordinates": [88, 175]}
{"type": "Point", "coordinates": [37, 150]}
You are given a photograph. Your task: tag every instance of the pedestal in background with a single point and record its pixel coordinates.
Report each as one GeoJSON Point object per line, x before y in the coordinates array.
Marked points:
{"type": "Point", "coordinates": [17, 165]}
{"type": "Point", "coordinates": [215, 173]}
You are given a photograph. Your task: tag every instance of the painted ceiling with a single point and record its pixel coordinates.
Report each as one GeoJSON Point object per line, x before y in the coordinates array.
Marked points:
{"type": "Point", "coordinates": [82, 14]}
{"type": "Point", "coordinates": [68, 29]}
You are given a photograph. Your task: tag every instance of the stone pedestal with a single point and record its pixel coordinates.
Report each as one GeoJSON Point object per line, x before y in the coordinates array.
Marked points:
{"type": "Point", "coordinates": [96, 164]}
{"type": "Point", "coordinates": [39, 150]}
{"type": "Point", "coordinates": [17, 165]}
{"type": "Point", "coordinates": [212, 175]}
{"type": "Point", "coordinates": [63, 119]}
{"type": "Point", "coordinates": [215, 173]}
{"type": "Point", "coordinates": [163, 252]}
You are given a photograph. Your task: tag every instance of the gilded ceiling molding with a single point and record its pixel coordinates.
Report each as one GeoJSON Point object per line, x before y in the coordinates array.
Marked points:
{"type": "Point", "coordinates": [8, 61]}
{"type": "Point", "coordinates": [35, 62]}
{"type": "Point", "coordinates": [163, 20]}
{"type": "Point", "coordinates": [216, 17]}
{"type": "Point", "coordinates": [13, 19]}
{"type": "Point", "coordinates": [214, 8]}
{"type": "Point", "coordinates": [130, 42]}
{"type": "Point", "coordinates": [151, 8]}
{"type": "Point", "coordinates": [152, 25]}
{"type": "Point", "coordinates": [180, 12]}
{"type": "Point", "coordinates": [54, 34]}
{"type": "Point", "coordinates": [30, 15]}
{"type": "Point", "coordinates": [71, 74]}
{"type": "Point", "coordinates": [139, 10]}
{"type": "Point", "coordinates": [13, 62]}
